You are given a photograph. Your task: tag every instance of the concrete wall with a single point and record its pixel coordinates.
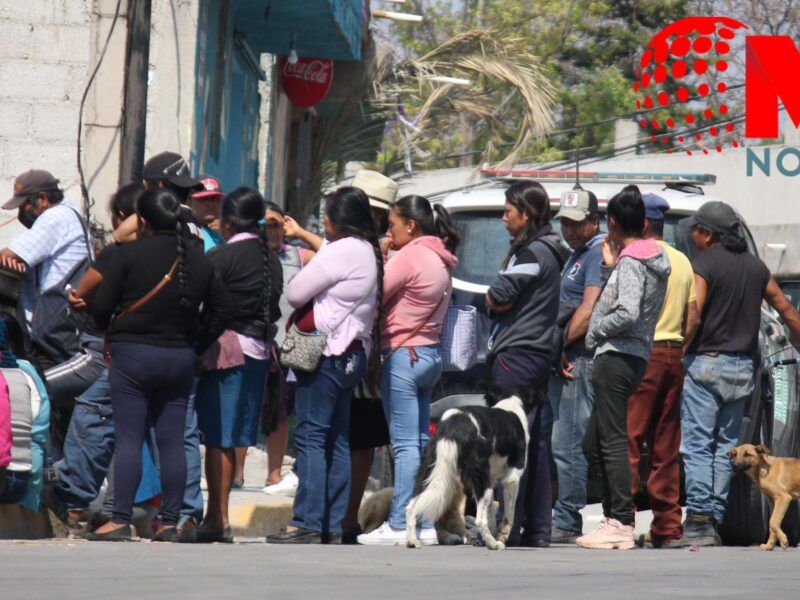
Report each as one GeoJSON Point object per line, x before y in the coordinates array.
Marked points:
{"type": "Point", "coordinates": [47, 52]}
{"type": "Point", "coordinates": [171, 93]}
{"type": "Point", "coordinates": [44, 55]}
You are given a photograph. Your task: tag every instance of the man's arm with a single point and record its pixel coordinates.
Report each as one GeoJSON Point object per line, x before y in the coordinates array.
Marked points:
{"type": "Point", "coordinates": [579, 323]}
{"type": "Point", "coordinates": [778, 300]}
{"type": "Point", "coordinates": [691, 321]}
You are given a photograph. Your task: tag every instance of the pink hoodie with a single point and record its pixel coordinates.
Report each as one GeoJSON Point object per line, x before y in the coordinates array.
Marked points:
{"type": "Point", "coordinates": [415, 279]}
{"type": "Point", "coordinates": [5, 424]}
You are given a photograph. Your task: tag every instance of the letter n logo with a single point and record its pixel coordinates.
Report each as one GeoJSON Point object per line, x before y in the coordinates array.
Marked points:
{"type": "Point", "coordinates": [771, 74]}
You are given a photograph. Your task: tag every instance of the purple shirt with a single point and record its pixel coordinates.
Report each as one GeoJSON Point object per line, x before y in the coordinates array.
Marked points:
{"type": "Point", "coordinates": [341, 274]}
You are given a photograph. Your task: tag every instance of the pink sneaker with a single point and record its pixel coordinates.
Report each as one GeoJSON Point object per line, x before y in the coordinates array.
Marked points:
{"type": "Point", "coordinates": [610, 534]}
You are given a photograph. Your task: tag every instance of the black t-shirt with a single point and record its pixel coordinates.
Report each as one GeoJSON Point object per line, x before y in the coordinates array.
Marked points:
{"type": "Point", "coordinates": [100, 263]}
{"type": "Point", "coordinates": [732, 310]}
{"type": "Point", "coordinates": [134, 271]}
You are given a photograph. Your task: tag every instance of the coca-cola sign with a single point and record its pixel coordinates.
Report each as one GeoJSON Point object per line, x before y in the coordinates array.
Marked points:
{"type": "Point", "coordinates": [307, 82]}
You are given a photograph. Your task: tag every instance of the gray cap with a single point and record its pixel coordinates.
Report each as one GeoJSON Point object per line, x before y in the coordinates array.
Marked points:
{"type": "Point", "coordinates": [715, 216]}
{"type": "Point", "coordinates": [577, 205]}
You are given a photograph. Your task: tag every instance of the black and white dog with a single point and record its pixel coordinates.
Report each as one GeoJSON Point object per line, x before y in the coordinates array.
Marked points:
{"type": "Point", "coordinates": [475, 448]}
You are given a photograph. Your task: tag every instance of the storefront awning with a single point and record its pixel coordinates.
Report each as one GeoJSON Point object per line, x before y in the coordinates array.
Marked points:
{"type": "Point", "coordinates": [316, 28]}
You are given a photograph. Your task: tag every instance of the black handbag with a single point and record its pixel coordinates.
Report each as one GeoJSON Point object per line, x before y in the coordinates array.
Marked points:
{"type": "Point", "coordinates": [55, 327]}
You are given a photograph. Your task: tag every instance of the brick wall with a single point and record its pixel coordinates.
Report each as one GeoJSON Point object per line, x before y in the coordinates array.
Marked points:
{"type": "Point", "coordinates": [45, 48]}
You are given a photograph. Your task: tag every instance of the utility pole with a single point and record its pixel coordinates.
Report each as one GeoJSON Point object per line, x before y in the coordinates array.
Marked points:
{"type": "Point", "coordinates": [134, 107]}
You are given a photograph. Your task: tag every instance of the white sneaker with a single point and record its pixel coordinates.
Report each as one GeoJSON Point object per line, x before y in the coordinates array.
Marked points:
{"type": "Point", "coordinates": [285, 487]}
{"type": "Point", "coordinates": [610, 534]}
{"type": "Point", "coordinates": [386, 535]}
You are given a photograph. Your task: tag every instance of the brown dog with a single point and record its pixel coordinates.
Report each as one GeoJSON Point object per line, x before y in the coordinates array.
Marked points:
{"type": "Point", "coordinates": [779, 480]}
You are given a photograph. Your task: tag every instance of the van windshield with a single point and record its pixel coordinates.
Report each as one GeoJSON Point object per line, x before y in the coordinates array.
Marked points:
{"type": "Point", "coordinates": [485, 242]}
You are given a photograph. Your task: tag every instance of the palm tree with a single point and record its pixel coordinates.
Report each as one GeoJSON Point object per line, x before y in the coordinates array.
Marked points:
{"type": "Point", "coordinates": [481, 78]}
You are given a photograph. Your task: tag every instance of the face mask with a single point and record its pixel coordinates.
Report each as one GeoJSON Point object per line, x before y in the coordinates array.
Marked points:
{"type": "Point", "coordinates": [27, 219]}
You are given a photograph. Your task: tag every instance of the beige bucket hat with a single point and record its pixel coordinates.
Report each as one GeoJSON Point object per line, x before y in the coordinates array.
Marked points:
{"type": "Point", "coordinates": [381, 190]}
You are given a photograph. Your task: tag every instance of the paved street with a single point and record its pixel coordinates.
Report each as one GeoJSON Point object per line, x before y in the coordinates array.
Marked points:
{"type": "Point", "coordinates": [251, 569]}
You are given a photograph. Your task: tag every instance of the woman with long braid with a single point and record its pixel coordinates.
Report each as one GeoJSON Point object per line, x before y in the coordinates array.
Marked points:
{"type": "Point", "coordinates": [338, 293]}
{"type": "Point", "coordinates": [231, 387]}
{"type": "Point", "coordinates": [155, 286]}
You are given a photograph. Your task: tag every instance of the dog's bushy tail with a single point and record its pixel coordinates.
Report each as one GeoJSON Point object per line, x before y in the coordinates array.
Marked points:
{"type": "Point", "coordinates": [437, 480]}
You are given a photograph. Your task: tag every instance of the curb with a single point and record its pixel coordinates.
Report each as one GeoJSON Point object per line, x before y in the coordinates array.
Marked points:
{"type": "Point", "coordinates": [258, 520]}
{"type": "Point", "coordinates": [20, 523]}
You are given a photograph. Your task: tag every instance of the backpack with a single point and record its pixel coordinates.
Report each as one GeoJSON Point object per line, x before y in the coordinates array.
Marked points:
{"type": "Point", "coordinates": [55, 327]}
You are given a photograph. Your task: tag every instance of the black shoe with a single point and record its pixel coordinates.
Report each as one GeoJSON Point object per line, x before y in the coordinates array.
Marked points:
{"type": "Point", "coordinates": [563, 536]}
{"type": "Point", "coordinates": [350, 536]}
{"type": "Point", "coordinates": [332, 539]}
{"type": "Point", "coordinates": [206, 535]}
{"type": "Point", "coordinates": [531, 543]}
{"type": "Point", "coordinates": [187, 532]}
{"type": "Point", "coordinates": [698, 530]}
{"type": "Point", "coordinates": [298, 536]}
{"type": "Point", "coordinates": [167, 534]}
{"type": "Point", "coordinates": [121, 534]}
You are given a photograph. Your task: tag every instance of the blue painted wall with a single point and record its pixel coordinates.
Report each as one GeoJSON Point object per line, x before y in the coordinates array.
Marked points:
{"type": "Point", "coordinates": [226, 116]}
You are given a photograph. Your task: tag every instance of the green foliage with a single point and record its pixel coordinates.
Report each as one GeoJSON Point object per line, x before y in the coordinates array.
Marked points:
{"type": "Point", "coordinates": [588, 49]}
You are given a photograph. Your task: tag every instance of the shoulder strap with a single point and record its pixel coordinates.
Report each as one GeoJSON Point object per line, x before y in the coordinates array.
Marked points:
{"type": "Point", "coordinates": [353, 308]}
{"type": "Point", "coordinates": [85, 232]}
{"type": "Point", "coordinates": [149, 295]}
{"type": "Point", "coordinates": [422, 323]}
{"type": "Point", "coordinates": [560, 258]}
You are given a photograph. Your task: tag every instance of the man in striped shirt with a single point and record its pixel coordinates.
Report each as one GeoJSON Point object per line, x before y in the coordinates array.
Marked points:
{"type": "Point", "coordinates": [55, 240]}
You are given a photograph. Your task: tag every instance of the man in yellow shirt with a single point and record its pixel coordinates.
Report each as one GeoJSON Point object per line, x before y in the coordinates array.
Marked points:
{"type": "Point", "coordinates": [654, 409]}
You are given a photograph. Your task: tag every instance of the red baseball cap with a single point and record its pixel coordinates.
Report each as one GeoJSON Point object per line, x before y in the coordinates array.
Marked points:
{"type": "Point", "coordinates": [209, 187]}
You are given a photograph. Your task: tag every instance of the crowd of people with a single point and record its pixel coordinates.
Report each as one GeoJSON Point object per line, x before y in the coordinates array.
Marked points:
{"type": "Point", "coordinates": [116, 367]}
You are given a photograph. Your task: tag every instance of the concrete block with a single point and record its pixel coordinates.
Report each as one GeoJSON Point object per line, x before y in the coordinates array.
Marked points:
{"type": "Point", "coordinates": [78, 11]}
{"type": "Point", "coordinates": [57, 157]}
{"type": "Point", "coordinates": [16, 40]}
{"type": "Point", "coordinates": [256, 520]}
{"type": "Point", "coordinates": [15, 118]}
{"type": "Point", "coordinates": [33, 11]}
{"type": "Point", "coordinates": [32, 81]}
{"type": "Point", "coordinates": [54, 121]}
{"type": "Point", "coordinates": [76, 78]}
{"type": "Point", "coordinates": [61, 43]}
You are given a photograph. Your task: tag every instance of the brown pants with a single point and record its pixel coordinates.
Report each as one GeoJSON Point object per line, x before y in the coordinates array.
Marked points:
{"type": "Point", "coordinates": [654, 413]}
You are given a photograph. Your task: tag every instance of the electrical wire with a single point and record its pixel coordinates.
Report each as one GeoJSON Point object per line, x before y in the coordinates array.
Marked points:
{"type": "Point", "coordinates": [87, 203]}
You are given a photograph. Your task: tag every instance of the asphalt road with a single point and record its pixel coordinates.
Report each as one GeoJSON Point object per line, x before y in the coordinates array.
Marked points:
{"type": "Point", "coordinates": [67, 569]}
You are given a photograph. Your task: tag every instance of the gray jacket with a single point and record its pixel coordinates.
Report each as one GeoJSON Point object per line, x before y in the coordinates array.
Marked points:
{"type": "Point", "coordinates": [625, 315]}
{"type": "Point", "coordinates": [530, 283]}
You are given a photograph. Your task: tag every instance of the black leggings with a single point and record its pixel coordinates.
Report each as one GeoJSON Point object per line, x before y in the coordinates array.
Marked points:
{"type": "Point", "coordinates": [152, 380]}
{"type": "Point", "coordinates": [605, 444]}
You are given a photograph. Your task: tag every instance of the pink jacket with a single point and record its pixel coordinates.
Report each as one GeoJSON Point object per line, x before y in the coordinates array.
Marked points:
{"type": "Point", "coordinates": [415, 279]}
{"type": "Point", "coordinates": [5, 424]}
{"type": "Point", "coordinates": [341, 274]}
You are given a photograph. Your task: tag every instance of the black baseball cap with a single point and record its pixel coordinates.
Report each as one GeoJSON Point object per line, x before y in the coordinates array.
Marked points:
{"type": "Point", "coordinates": [172, 167]}
{"type": "Point", "coordinates": [715, 216]}
{"type": "Point", "coordinates": [30, 183]}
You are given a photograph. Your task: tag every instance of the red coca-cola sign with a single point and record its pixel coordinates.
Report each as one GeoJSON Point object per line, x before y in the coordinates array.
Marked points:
{"type": "Point", "coordinates": [308, 81]}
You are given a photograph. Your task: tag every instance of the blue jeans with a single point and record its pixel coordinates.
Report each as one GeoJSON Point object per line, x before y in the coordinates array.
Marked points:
{"type": "Point", "coordinates": [192, 505]}
{"type": "Point", "coordinates": [406, 390]}
{"type": "Point", "coordinates": [88, 448]}
{"type": "Point", "coordinates": [571, 402]}
{"type": "Point", "coordinates": [321, 437]}
{"type": "Point", "coordinates": [715, 393]}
